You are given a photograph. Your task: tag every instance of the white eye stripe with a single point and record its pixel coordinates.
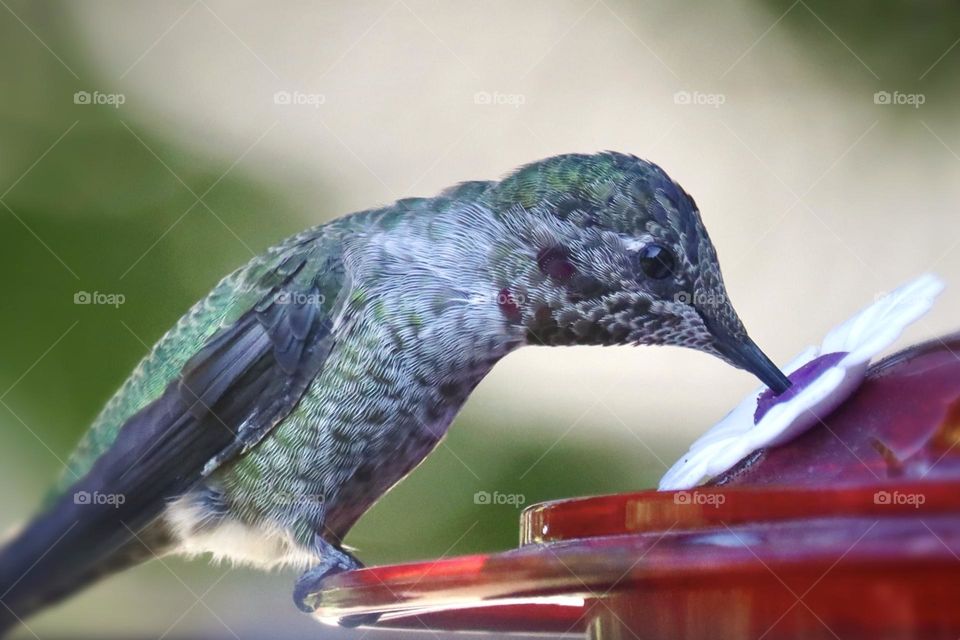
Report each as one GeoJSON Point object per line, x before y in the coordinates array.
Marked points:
{"type": "Point", "coordinates": [635, 244]}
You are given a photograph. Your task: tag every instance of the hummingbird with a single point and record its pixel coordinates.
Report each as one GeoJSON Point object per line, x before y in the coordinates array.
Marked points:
{"type": "Point", "coordinates": [309, 381]}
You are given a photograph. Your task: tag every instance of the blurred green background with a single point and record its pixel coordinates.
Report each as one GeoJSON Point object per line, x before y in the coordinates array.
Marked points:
{"type": "Point", "coordinates": [820, 140]}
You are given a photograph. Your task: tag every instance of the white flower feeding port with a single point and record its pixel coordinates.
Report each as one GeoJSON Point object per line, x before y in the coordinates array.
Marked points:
{"type": "Point", "coordinates": [823, 378]}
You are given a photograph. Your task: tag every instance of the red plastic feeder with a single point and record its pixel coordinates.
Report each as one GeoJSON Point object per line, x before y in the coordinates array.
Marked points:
{"type": "Point", "coordinates": [852, 530]}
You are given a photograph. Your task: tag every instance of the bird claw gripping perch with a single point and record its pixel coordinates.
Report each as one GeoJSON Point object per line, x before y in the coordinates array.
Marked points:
{"type": "Point", "coordinates": [333, 560]}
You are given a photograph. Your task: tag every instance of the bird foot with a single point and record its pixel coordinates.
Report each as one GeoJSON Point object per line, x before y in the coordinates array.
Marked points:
{"type": "Point", "coordinates": [332, 562]}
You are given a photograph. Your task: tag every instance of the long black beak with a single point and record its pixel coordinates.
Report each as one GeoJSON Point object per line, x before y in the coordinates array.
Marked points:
{"type": "Point", "coordinates": [744, 353]}
{"type": "Point", "coordinates": [747, 355]}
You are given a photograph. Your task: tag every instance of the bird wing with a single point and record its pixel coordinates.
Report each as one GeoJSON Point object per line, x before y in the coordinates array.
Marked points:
{"type": "Point", "coordinates": [245, 379]}
{"type": "Point", "coordinates": [236, 388]}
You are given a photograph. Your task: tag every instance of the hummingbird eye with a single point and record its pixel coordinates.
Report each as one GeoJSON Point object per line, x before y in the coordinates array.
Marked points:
{"type": "Point", "coordinates": [656, 261]}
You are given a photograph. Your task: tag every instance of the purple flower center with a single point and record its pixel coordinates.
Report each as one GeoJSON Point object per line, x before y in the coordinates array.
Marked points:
{"type": "Point", "coordinates": [801, 379]}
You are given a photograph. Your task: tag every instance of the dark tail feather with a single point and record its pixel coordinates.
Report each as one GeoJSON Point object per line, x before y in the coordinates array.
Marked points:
{"type": "Point", "coordinates": [110, 518]}
{"type": "Point", "coordinates": [227, 398]}
{"type": "Point", "coordinates": [64, 550]}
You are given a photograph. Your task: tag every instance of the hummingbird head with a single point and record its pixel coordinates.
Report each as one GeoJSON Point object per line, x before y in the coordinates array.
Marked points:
{"type": "Point", "coordinates": [610, 250]}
